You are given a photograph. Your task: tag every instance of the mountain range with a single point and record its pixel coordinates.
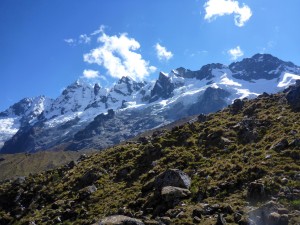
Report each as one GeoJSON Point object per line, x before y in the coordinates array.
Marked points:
{"type": "Point", "coordinates": [238, 166]}
{"type": "Point", "coordinates": [90, 116]}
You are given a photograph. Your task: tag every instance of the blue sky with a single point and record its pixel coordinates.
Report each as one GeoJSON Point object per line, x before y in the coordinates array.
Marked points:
{"type": "Point", "coordinates": [47, 44]}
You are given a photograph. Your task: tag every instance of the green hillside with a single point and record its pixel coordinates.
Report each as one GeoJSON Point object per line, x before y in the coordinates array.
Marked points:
{"type": "Point", "coordinates": [237, 166]}
{"type": "Point", "coordinates": [22, 164]}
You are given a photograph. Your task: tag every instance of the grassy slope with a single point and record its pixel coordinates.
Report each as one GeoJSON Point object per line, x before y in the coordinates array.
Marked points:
{"type": "Point", "coordinates": [213, 153]}
{"type": "Point", "coordinates": [22, 164]}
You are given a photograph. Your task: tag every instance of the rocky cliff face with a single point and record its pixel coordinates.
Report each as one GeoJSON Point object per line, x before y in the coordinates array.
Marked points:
{"type": "Point", "coordinates": [172, 96]}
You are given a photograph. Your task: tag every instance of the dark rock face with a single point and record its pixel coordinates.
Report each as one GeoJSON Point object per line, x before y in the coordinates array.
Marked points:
{"type": "Point", "coordinates": [22, 141]}
{"type": "Point", "coordinates": [27, 109]}
{"type": "Point", "coordinates": [96, 89]}
{"type": "Point", "coordinates": [119, 220]}
{"type": "Point", "coordinates": [163, 88]}
{"type": "Point", "coordinates": [20, 107]}
{"type": "Point", "coordinates": [130, 84]}
{"type": "Point", "coordinates": [260, 66]}
{"type": "Point", "coordinates": [204, 73]}
{"type": "Point", "coordinates": [212, 100]}
{"type": "Point", "coordinates": [293, 96]}
{"type": "Point", "coordinates": [93, 127]}
{"type": "Point", "coordinates": [173, 177]}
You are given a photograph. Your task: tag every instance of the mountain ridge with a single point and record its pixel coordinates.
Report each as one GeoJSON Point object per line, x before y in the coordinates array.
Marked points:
{"type": "Point", "coordinates": [173, 96]}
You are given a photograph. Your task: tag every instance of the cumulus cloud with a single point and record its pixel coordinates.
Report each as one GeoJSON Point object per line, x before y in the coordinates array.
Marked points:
{"type": "Point", "coordinates": [90, 74]}
{"type": "Point", "coordinates": [118, 55]}
{"type": "Point", "coordinates": [162, 53]}
{"type": "Point", "coordinates": [235, 53]}
{"type": "Point", "coordinates": [215, 8]}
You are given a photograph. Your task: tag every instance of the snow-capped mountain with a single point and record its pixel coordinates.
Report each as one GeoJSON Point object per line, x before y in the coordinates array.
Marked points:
{"type": "Point", "coordinates": [91, 116]}
{"type": "Point", "coordinates": [25, 112]}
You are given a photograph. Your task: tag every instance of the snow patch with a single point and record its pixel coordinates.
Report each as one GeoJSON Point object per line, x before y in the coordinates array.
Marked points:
{"type": "Point", "coordinates": [287, 80]}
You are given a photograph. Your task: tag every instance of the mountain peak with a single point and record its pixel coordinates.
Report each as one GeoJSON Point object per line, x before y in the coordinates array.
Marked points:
{"type": "Point", "coordinates": [262, 66]}
{"type": "Point", "coordinates": [125, 79]}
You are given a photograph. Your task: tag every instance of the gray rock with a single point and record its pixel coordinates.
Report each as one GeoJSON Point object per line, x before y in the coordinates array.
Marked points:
{"type": "Point", "coordinates": [89, 178]}
{"type": "Point", "coordinates": [165, 219]}
{"type": "Point", "coordinates": [20, 180]}
{"type": "Point", "coordinates": [256, 191]}
{"type": "Point", "coordinates": [261, 215]}
{"type": "Point", "coordinates": [221, 220]}
{"type": "Point", "coordinates": [283, 211]}
{"type": "Point", "coordinates": [284, 220]}
{"type": "Point", "coordinates": [172, 177]}
{"type": "Point", "coordinates": [119, 220]}
{"type": "Point", "coordinates": [295, 143]}
{"type": "Point", "coordinates": [297, 176]}
{"type": "Point", "coordinates": [281, 145]}
{"type": "Point", "coordinates": [196, 219]}
{"type": "Point", "coordinates": [273, 218]}
{"type": "Point", "coordinates": [202, 118]}
{"type": "Point", "coordinates": [72, 164]}
{"type": "Point", "coordinates": [237, 106]}
{"type": "Point", "coordinates": [170, 193]}
{"type": "Point", "coordinates": [87, 191]}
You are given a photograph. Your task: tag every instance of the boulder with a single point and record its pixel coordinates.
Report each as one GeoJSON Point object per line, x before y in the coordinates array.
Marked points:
{"type": "Point", "coordinates": [236, 106]}
{"type": "Point", "coordinates": [256, 191]}
{"type": "Point", "coordinates": [89, 178]}
{"type": "Point", "coordinates": [277, 219]}
{"type": "Point", "coordinates": [295, 143]}
{"type": "Point", "coordinates": [221, 220]}
{"type": "Point", "coordinates": [72, 164]}
{"type": "Point", "coordinates": [87, 191]}
{"type": "Point", "coordinates": [202, 118]}
{"type": "Point", "coordinates": [171, 194]}
{"type": "Point", "coordinates": [172, 177]}
{"type": "Point", "coordinates": [196, 219]}
{"type": "Point", "coordinates": [265, 213]}
{"type": "Point", "coordinates": [281, 145]}
{"type": "Point", "coordinates": [283, 211]}
{"type": "Point", "coordinates": [119, 220]}
{"type": "Point", "coordinates": [19, 180]}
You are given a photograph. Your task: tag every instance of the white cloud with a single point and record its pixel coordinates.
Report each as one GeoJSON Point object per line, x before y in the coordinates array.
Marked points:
{"type": "Point", "coordinates": [215, 8]}
{"type": "Point", "coordinates": [162, 53]}
{"type": "Point", "coordinates": [117, 55]}
{"type": "Point", "coordinates": [70, 41]}
{"type": "Point", "coordinates": [83, 38]}
{"type": "Point", "coordinates": [90, 74]}
{"type": "Point", "coordinates": [235, 53]}
{"type": "Point", "coordinates": [99, 31]}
